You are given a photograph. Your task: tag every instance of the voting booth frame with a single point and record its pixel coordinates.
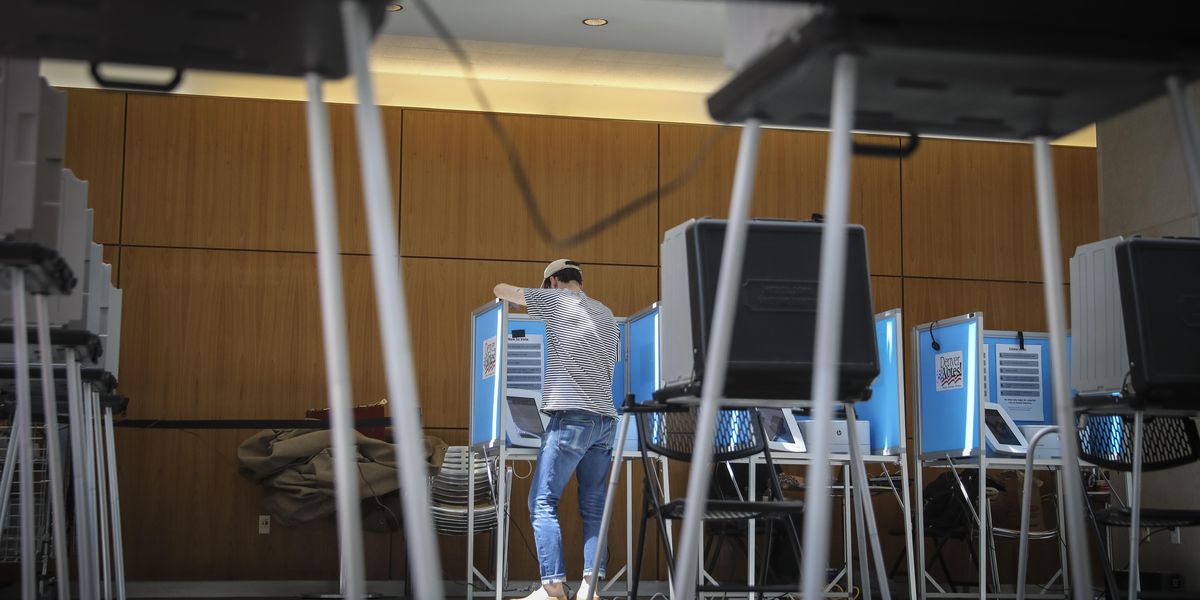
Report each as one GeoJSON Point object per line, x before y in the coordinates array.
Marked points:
{"type": "Point", "coordinates": [955, 376]}
{"type": "Point", "coordinates": [638, 375]}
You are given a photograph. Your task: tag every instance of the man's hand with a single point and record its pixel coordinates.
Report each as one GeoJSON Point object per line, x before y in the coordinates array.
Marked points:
{"type": "Point", "coordinates": [510, 293]}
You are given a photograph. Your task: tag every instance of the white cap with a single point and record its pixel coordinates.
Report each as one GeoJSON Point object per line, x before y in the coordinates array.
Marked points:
{"type": "Point", "coordinates": [560, 264]}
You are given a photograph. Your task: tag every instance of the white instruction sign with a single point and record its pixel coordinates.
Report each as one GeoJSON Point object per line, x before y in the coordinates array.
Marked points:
{"type": "Point", "coordinates": [526, 359]}
{"type": "Point", "coordinates": [948, 374]}
{"type": "Point", "coordinates": [1019, 381]}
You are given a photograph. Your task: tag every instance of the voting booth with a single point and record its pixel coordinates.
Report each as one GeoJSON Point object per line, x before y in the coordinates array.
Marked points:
{"type": "Point", "coordinates": [980, 395]}
{"type": "Point", "coordinates": [510, 412]}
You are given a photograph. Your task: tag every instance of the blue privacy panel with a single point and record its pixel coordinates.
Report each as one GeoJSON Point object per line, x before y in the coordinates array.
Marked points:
{"type": "Point", "coordinates": [485, 366]}
{"type": "Point", "coordinates": [883, 410]}
{"type": "Point", "coordinates": [1016, 381]}
{"type": "Point", "coordinates": [949, 388]}
{"type": "Point", "coordinates": [643, 355]}
{"type": "Point", "coordinates": [642, 340]}
{"type": "Point", "coordinates": [619, 387]}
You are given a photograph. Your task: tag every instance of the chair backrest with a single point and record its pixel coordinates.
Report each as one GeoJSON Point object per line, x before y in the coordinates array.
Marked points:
{"type": "Point", "coordinates": [451, 485]}
{"type": "Point", "coordinates": [1167, 442]}
{"type": "Point", "coordinates": [672, 433]}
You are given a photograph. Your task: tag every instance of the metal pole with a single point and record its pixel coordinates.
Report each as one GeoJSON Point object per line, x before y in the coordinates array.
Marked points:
{"type": "Point", "coordinates": [115, 499]}
{"type": "Point", "coordinates": [23, 427]}
{"type": "Point", "coordinates": [1027, 500]}
{"type": "Point", "coordinates": [10, 470]}
{"type": "Point", "coordinates": [1185, 125]}
{"type": "Point", "coordinates": [503, 504]}
{"type": "Point", "coordinates": [58, 503]}
{"type": "Point", "coordinates": [1135, 508]}
{"type": "Point", "coordinates": [827, 352]}
{"type": "Point", "coordinates": [101, 494]}
{"type": "Point", "coordinates": [393, 318]}
{"type": "Point", "coordinates": [89, 477]}
{"type": "Point", "coordinates": [614, 476]}
{"type": "Point", "coordinates": [906, 508]}
{"type": "Point", "coordinates": [76, 429]}
{"type": "Point", "coordinates": [470, 523]}
{"type": "Point", "coordinates": [860, 515]}
{"type": "Point", "coordinates": [717, 361]}
{"type": "Point", "coordinates": [863, 489]}
{"type": "Point", "coordinates": [337, 353]}
{"type": "Point", "coordinates": [1081, 568]}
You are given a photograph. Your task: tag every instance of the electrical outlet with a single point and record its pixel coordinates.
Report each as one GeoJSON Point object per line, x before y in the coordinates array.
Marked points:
{"type": "Point", "coordinates": [1176, 536]}
{"type": "Point", "coordinates": [264, 524]}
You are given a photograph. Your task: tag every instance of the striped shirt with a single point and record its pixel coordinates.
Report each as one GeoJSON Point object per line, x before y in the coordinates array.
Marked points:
{"type": "Point", "coordinates": [582, 341]}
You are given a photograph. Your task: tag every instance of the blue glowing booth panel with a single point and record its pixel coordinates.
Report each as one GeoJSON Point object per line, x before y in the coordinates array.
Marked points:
{"type": "Point", "coordinates": [1020, 380]}
{"type": "Point", "coordinates": [885, 408]}
{"type": "Point", "coordinates": [485, 370]}
{"type": "Point", "coordinates": [644, 363]}
{"type": "Point", "coordinates": [949, 386]}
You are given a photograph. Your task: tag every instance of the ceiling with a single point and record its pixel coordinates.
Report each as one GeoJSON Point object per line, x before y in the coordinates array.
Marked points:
{"type": "Point", "coordinates": [689, 27]}
{"type": "Point", "coordinates": [665, 45]}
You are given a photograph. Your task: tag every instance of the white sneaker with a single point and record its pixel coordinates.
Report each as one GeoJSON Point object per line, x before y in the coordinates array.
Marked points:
{"type": "Point", "coordinates": [540, 594]}
{"type": "Point", "coordinates": [582, 594]}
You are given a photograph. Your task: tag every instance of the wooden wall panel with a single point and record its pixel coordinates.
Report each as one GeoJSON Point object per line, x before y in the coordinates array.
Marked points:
{"type": "Point", "coordinates": [887, 292]}
{"type": "Point", "coordinates": [231, 334]}
{"type": "Point", "coordinates": [460, 199]}
{"type": "Point", "coordinates": [188, 515]}
{"type": "Point", "coordinates": [95, 150]}
{"type": "Point", "coordinates": [969, 209]}
{"type": "Point", "coordinates": [233, 173]}
{"type": "Point", "coordinates": [441, 295]}
{"type": "Point", "coordinates": [1005, 305]}
{"type": "Point", "coordinates": [790, 183]}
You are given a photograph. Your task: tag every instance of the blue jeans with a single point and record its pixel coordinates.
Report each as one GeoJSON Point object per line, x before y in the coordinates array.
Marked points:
{"type": "Point", "coordinates": [575, 442]}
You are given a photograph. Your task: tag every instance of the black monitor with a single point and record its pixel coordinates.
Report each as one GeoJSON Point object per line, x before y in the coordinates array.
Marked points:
{"type": "Point", "coordinates": [1160, 299]}
{"type": "Point", "coordinates": [771, 356]}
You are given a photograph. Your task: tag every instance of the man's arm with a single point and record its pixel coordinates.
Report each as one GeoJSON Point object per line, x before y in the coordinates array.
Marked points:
{"type": "Point", "coordinates": [510, 293]}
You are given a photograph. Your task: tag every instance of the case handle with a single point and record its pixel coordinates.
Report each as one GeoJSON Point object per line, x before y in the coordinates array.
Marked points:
{"type": "Point", "coordinates": [144, 86]}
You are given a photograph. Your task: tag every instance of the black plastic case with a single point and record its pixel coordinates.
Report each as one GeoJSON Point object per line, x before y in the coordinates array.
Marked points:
{"type": "Point", "coordinates": [771, 356]}
{"type": "Point", "coordinates": [1160, 299]}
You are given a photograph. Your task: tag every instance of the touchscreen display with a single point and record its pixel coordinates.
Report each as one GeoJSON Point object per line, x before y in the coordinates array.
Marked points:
{"type": "Point", "coordinates": [775, 426]}
{"type": "Point", "coordinates": [525, 414]}
{"type": "Point", "coordinates": [1000, 429]}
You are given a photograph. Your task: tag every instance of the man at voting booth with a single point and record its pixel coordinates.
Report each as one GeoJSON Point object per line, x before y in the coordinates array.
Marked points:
{"type": "Point", "coordinates": [581, 352]}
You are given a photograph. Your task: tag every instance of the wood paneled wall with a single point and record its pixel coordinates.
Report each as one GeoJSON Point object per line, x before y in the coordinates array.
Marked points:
{"type": "Point", "coordinates": [203, 204]}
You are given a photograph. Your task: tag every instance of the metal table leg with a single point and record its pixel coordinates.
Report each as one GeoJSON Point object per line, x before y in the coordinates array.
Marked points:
{"type": "Point", "coordinates": [862, 485]}
{"type": "Point", "coordinates": [1081, 569]}
{"type": "Point", "coordinates": [1027, 500]}
{"type": "Point", "coordinates": [101, 495]}
{"type": "Point", "coordinates": [614, 476]}
{"type": "Point", "coordinates": [827, 352]}
{"type": "Point", "coordinates": [716, 363]}
{"type": "Point", "coordinates": [58, 503]}
{"type": "Point", "coordinates": [906, 509]}
{"type": "Point", "coordinates": [115, 499]}
{"type": "Point", "coordinates": [393, 318]}
{"type": "Point", "coordinates": [22, 429]}
{"type": "Point", "coordinates": [1135, 508]}
{"type": "Point", "coordinates": [76, 429]}
{"type": "Point", "coordinates": [470, 523]}
{"type": "Point", "coordinates": [333, 330]}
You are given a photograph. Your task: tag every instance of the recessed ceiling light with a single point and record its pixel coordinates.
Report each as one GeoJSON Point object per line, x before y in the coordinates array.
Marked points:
{"type": "Point", "coordinates": [393, 7]}
{"type": "Point", "coordinates": [595, 22]}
